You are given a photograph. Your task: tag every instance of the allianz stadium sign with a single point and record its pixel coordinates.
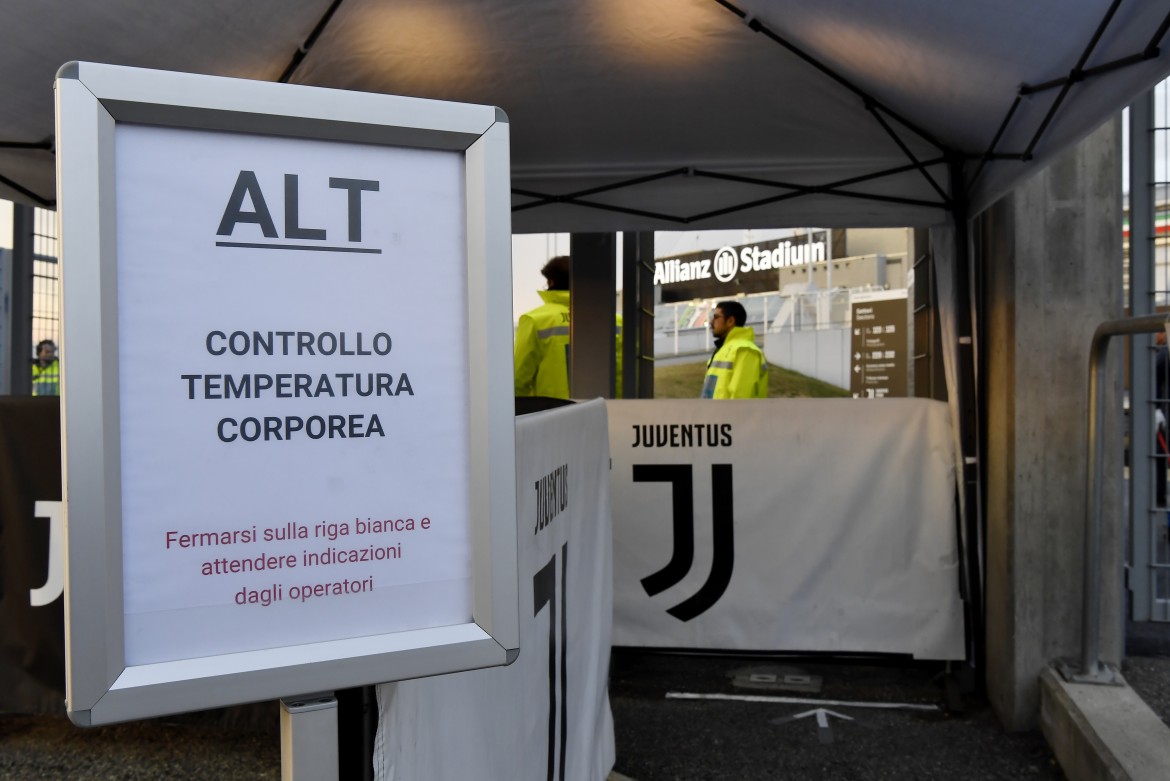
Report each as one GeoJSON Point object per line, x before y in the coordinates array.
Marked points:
{"type": "Point", "coordinates": [744, 268]}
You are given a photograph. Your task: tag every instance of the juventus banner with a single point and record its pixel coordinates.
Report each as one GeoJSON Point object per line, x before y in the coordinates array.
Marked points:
{"type": "Point", "coordinates": [785, 525]}
{"type": "Point", "coordinates": [32, 630]}
{"type": "Point", "coordinates": [546, 716]}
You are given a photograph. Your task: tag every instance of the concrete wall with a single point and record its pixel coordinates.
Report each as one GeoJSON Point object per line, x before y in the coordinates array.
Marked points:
{"type": "Point", "coordinates": [853, 271]}
{"type": "Point", "coordinates": [823, 353]}
{"type": "Point", "coordinates": [870, 241]}
{"type": "Point", "coordinates": [1050, 261]}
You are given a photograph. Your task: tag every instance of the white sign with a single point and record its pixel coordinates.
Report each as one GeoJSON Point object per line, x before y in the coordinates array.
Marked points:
{"type": "Point", "coordinates": [293, 444]}
{"type": "Point", "coordinates": [548, 714]}
{"type": "Point", "coordinates": [727, 262]}
{"type": "Point", "coordinates": [785, 525]}
{"type": "Point", "coordinates": [277, 302]}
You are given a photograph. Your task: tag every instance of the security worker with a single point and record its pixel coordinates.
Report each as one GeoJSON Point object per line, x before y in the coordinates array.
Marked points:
{"type": "Point", "coordinates": [46, 371]}
{"type": "Point", "coordinates": [541, 355]}
{"type": "Point", "coordinates": [737, 370]}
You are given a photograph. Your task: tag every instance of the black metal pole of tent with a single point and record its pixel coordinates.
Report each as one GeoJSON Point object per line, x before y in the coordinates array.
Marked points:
{"type": "Point", "coordinates": [966, 302]}
{"type": "Point", "coordinates": [990, 154]}
{"type": "Point", "coordinates": [755, 25]}
{"type": "Point", "coordinates": [543, 199]}
{"type": "Point", "coordinates": [21, 309]}
{"type": "Point", "coordinates": [303, 50]}
{"type": "Point", "coordinates": [1078, 74]}
{"type": "Point", "coordinates": [1144, 459]}
{"type": "Point", "coordinates": [637, 315]}
{"type": "Point", "coordinates": [832, 188]}
{"type": "Point", "coordinates": [591, 295]}
{"type": "Point", "coordinates": [16, 187]}
{"type": "Point", "coordinates": [357, 721]}
{"type": "Point", "coordinates": [872, 109]}
{"type": "Point", "coordinates": [27, 193]}
{"type": "Point", "coordinates": [872, 104]}
{"type": "Point", "coordinates": [793, 191]}
{"type": "Point", "coordinates": [1150, 52]}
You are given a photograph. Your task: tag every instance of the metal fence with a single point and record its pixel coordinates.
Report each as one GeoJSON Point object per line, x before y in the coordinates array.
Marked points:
{"type": "Point", "coordinates": [680, 329]}
{"type": "Point", "coordinates": [1147, 288]}
{"type": "Point", "coordinates": [30, 307]}
{"type": "Point", "coordinates": [46, 306]}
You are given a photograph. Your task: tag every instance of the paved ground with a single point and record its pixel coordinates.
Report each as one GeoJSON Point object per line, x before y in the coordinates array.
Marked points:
{"type": "Point", "coordinates": [49, 747]}
{"type": "Point", "coordinates": [1147, 667]}
{"type": "Point", "coordinates": [657, 737]}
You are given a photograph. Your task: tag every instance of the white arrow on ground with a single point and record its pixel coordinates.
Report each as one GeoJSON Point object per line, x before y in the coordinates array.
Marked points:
{"type": "Point", "coordinates": [822, 715]}
{"type": "Point", "coordinates": [824, 731]}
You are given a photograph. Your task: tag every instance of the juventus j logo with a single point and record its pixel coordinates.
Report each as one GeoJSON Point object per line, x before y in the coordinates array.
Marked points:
{"type": "Point", "coordinates": [683, 512]}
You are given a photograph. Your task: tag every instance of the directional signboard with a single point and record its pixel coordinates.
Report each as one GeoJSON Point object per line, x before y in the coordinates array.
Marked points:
{"type": "Point", "coordinates": [275, 482]}
{"type": "Point", "coordinates": [879, 344]}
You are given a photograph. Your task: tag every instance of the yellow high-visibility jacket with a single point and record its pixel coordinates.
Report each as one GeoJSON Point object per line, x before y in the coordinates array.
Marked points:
{"type": "Point", "coordinates": [541, 354]}
{"type": "Point", "coordinates": [46, 379]}
{"type": "Point", "coordinates": [737, 370]}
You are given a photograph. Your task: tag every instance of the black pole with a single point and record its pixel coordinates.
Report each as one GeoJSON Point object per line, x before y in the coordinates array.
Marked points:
{"type": "Point", "coordinates": [303, 50]}
{"type": "Point", "coordinates": [970, 466]}
{"type": "Point", "coordinates": [20, 377]}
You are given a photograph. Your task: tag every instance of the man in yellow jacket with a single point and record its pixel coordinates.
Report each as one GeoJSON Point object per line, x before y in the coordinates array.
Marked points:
{"type": "Point", "coordinates": [541, 354]}
{"type": "Point", "coordinates": [46, 370]}
{"type": "Point", "coordinates": [737, 370]}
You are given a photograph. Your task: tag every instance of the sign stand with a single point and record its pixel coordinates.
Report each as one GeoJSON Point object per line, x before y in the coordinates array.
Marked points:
{"type": "Point", "coordinates": [165, 233]}
{"type": "Point", "coordinates": [308, 738]}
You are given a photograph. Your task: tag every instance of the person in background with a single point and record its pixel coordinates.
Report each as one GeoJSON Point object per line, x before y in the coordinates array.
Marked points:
{"type": "Point", "coordinates": [737, 370]}
{"type": "Point", "coordinates": [541, 352]}
{"type": "Point", "coordinates": [46, 370]}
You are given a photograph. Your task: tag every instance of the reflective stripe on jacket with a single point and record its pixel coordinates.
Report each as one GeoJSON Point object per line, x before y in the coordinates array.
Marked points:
{"type": "Point", "coordinates": [737, 370]}
{"type": "Point", "coordinates": [46, 379]}
{"type": "Point", "coordinates": [541, 355]}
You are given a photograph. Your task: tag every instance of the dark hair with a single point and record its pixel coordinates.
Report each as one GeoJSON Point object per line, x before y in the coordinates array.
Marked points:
{"type": "Point", "coordinates": [733, 309]}
{"type": "Point", "coordinates": [556, 271]}
{"type": "Point", "coordinates": [45, 343]}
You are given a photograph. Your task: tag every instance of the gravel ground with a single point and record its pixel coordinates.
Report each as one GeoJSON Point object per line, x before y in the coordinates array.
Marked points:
{"type": "Point", "coordinates": [1150, 678]}
{"type": "Point", "coordinates": [1147, 667]}
{"type": "Point", "coordinates": [50, 747]}
{"type": "Point", "coordinates": [659, 738]}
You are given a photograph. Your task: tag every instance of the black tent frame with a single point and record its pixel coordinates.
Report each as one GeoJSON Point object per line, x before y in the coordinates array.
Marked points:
{"type": "Point", "coordinates": [1077, 74]}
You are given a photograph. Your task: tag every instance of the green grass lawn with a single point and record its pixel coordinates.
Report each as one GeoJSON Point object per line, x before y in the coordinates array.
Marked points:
{"type": "Point", "coordinates": [684, 380]}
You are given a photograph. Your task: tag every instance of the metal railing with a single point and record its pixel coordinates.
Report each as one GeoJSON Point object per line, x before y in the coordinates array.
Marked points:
{"type": "Point", "coordinates": [1091, 669]}
{"type": "Point", "coordinates": [681, 328]}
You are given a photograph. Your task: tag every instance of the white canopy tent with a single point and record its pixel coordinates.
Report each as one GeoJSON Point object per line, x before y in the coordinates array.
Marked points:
{"type": "Point", "coordinates": [657, 114]}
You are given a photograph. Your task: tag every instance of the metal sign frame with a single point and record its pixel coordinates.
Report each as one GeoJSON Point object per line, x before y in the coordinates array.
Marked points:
{"type": "Point", "coordinates": [91, 100]}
